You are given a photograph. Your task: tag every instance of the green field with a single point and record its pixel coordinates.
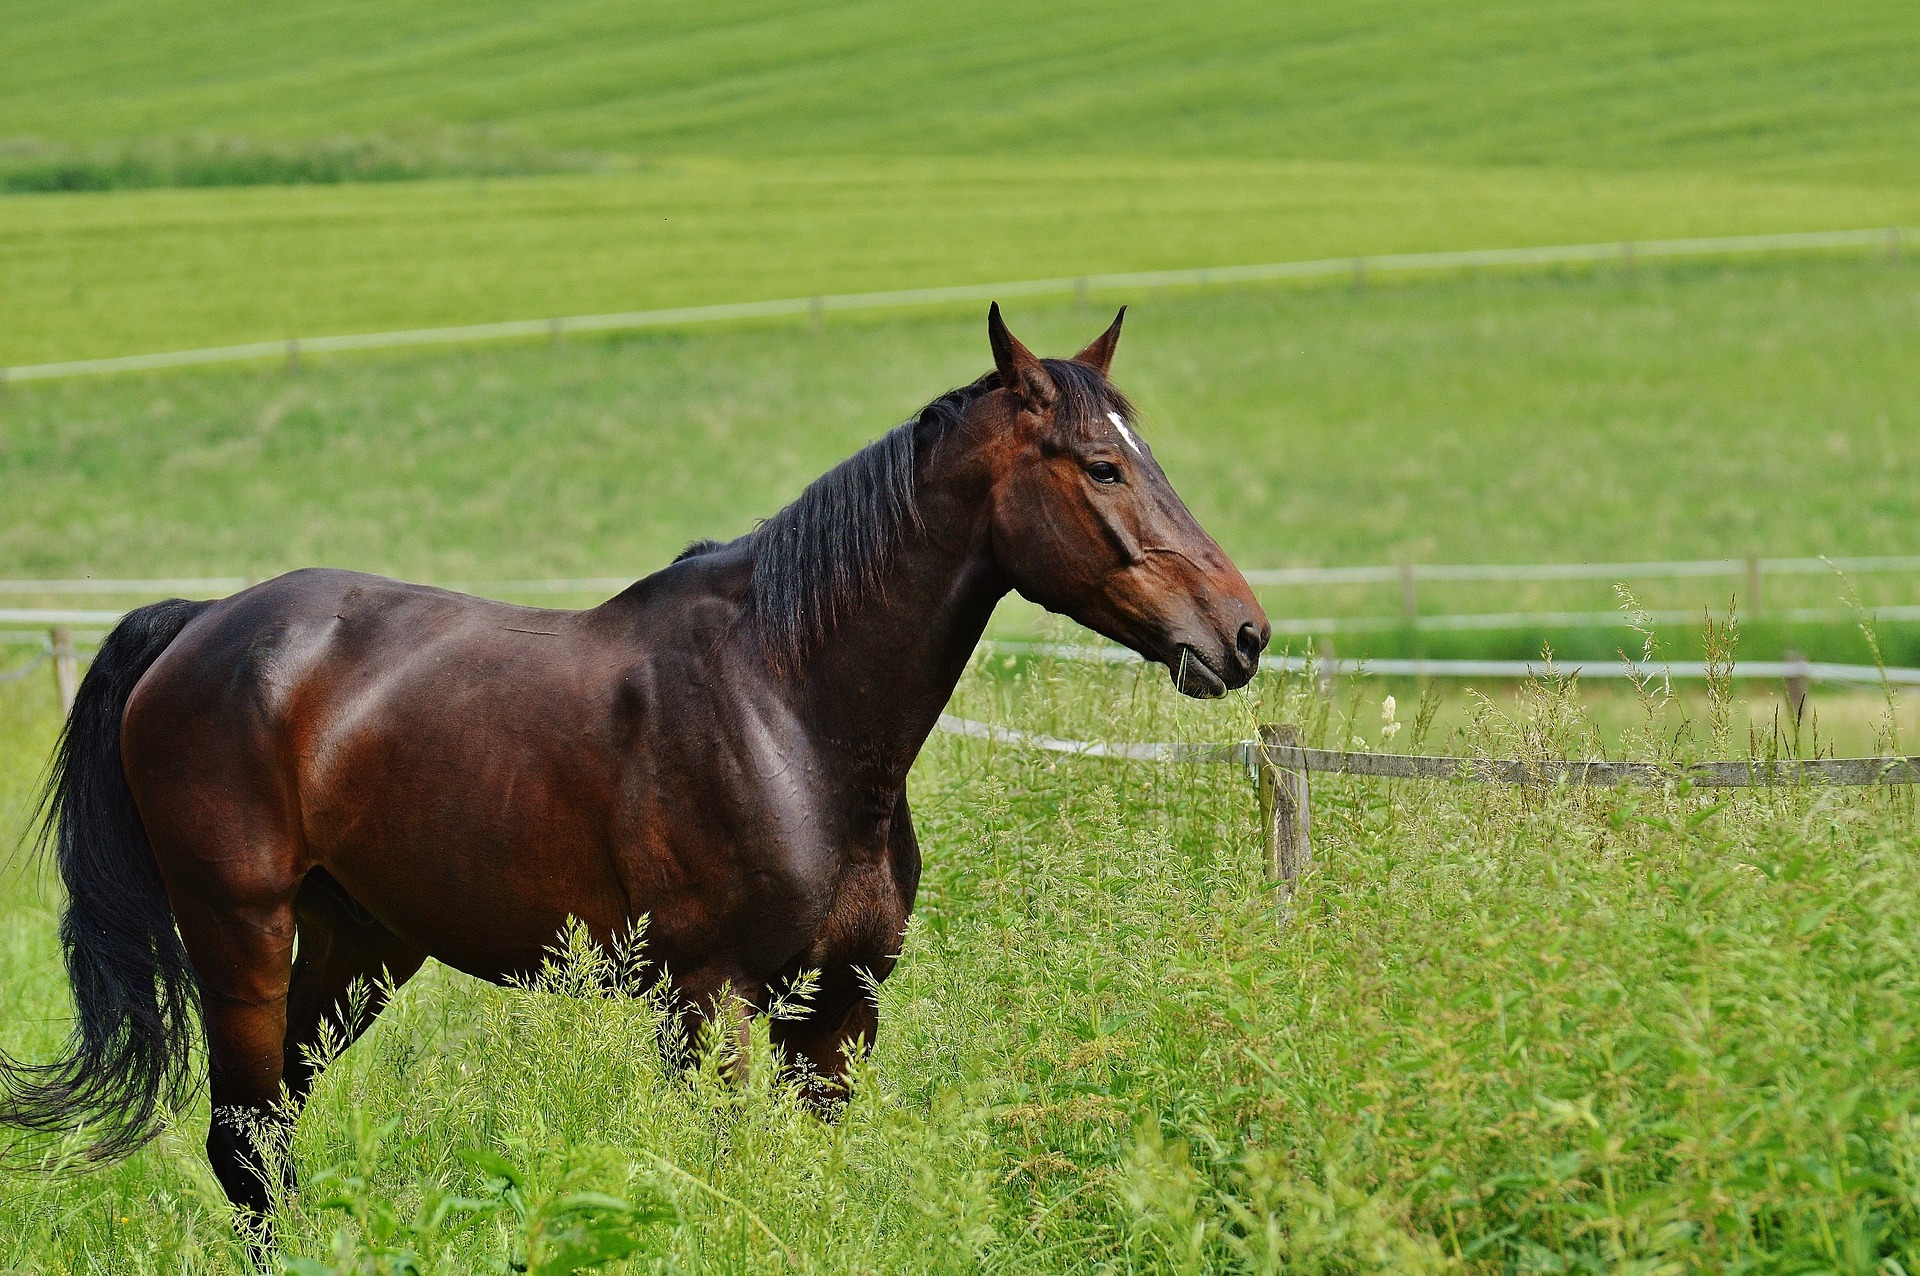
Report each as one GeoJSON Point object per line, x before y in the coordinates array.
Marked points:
{"type": "Point", "coordinates": [129, 272]}
{"type": "Point", "coordinates": [1684, 411]}
{"type": "Point", "coordinates": [1565, 1032]}
{"type": "Point", "coordinates": [1767, 89]}
{"type": "Point", "coordinates": [1494, 1032]}
{"type": "Point", "coordinates": [764, 154]}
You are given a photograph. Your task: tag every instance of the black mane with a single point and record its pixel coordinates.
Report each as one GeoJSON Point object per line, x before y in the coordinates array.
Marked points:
{"type": "Point", "coordinates": [831, 549]}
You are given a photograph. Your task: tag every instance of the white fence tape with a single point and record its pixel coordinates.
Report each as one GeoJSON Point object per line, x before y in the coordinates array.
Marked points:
{"type": "Point", "coordinates": [1674, 569]}
{"type": "Point", "coordinates": [1418, 668]}
{"type": "Point", "coordinates": [1470, 621]}
{"type": "Point", "coordinates": [1561, 254]}
{"type": "Point", "coordinates": [1812, 671]}
{"type": "Point", "coordinates": [1358, 575]}
{"type": "Point", "coordinates": [1749, 773]}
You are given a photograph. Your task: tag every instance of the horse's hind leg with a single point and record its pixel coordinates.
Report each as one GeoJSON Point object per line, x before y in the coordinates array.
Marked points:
{"type": "Point", "coordinates": [241, 946]}
{"type": "Point", "coordinates": [339, 944]}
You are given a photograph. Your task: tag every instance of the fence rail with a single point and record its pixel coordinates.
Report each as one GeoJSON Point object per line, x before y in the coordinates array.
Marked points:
{"type": "Point", "coordinates": [1750, 569]}
{"type": "Point", "coordinates": [291, 349]}
{"type": "Point", "coordinates": [1809, 670]}
{"type": "Point", "coordinates": [1281, 765]}
{"type": "Point", "coordinates": [1665, 569]}
{"type": "Point", "coordinates": [1472, 621]}
{"type": "Point", "coordinates": [1752, 773]}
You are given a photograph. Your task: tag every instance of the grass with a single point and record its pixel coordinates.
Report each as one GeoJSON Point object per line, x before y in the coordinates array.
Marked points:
{"type": "Point", "coordinates": [204, 160]}
{"type": "Point", "coordinates": [1495, 1031]}
{"type": "Point", "coordinates": [133, 271]}
{"type": "Point", "coordinates": [1769, 89]}
{"type": "Point", "coordinates": [755, 152]}
{"type": "Point", "coordinates": [1701, 410]}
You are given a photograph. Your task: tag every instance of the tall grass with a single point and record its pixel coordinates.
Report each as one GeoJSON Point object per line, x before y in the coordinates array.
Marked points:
{"type": "Point", "coordinates": [1495, 1030]}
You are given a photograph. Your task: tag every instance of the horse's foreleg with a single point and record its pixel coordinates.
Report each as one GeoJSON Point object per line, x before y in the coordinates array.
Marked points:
{"type": "Point", "coordinates": [340, 943]}
{"type": "Point", "coordinates": [819, 1050]}
{"type": "Point", "coordinates": [713, 1018]}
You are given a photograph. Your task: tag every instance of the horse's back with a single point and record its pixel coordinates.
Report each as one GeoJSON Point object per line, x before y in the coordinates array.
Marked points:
{"type": "Point", "coordinates": [322, 634]}
{"type": "Point", "coordinates": [445, 757]}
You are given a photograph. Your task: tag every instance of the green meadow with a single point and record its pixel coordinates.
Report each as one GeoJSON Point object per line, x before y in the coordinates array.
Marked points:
{"type": "Point", "coordinates": [136, 271]}
{"type": "Point", "coordinates": [755, 152]}
{"type": "Point", "coordinates": [1674, 411]}
{"type": "Point", "coordinates": [1769, 89]}
{"type": "Point", "coordinates": [1492, 1031]}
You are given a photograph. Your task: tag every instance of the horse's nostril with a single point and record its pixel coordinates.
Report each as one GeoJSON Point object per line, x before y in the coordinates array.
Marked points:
{"type": "Point", "coordinates": [1250, 643]}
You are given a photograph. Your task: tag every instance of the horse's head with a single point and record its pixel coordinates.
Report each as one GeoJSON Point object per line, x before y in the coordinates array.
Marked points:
{"type": "Point", "coordinates": [1085, 523]}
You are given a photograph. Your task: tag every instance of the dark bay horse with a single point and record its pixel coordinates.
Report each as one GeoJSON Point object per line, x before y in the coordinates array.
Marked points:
{"type": "Point", "coordinates": [386, 772]}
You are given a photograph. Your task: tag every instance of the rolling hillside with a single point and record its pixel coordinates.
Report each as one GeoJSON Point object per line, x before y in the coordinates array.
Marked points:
{"type": "Point", "coordinates": [752, 152]}
{"type": "Point", "coordinates": [1772, 89]}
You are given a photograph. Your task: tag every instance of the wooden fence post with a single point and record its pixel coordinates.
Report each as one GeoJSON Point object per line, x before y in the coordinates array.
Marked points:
{"type": "Point", "coordinates": [1752, 607]}
{"type": "Point", "coordinates": [66, 668]}
{"type": "Point", "coordinates": [1409, 596]}
{"type": "Point", "coordinates": [1285, 817]}
{"type": "Point", "coordinates": [1796, 684]}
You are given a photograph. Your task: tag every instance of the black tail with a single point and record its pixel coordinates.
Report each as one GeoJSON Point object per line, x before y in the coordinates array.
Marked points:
{"type": "Point", "coordinates": [135, 999]}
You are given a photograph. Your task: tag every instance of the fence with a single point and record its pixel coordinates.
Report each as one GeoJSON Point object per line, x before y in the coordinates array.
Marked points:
{"type": "Point", "coordinates": [1281, 767]}
{"type": "Point", "coordinates": [1891, 239]}
{"type": "Point", "coordinates": [1752, 571]}
{"type": "Point", "coordinates": [1789, 670]}
{"type": "Point", "coordinates": [1797, 673]}
{"type": "Point", "coordinates": [1752, 568]}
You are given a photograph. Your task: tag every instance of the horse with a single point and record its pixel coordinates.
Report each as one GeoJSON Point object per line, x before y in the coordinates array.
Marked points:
{"type": "Point", "coordinates": [259, 802]}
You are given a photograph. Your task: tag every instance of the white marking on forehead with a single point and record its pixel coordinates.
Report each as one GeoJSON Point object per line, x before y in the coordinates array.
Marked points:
{"type": "Point", "coordinates": [1125, 433]}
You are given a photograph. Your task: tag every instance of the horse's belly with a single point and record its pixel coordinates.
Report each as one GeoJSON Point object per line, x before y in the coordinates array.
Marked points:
{"type": "Point", "coordinates": [479, 889]}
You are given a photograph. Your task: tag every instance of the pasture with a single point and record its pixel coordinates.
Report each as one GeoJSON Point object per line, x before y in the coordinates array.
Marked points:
{"type": "Point", "coordinates": [1493, 1031]}
{"type": "Point", "coordinates": [787, 151]}
{"type": "Point", "coordinates": [1675, 410]}
{"type": "Point", "coordinates": [1542, 1031]}
{"type": "Point", "coordinates": [1599, 85]}
{"type": "Point", "coordinates": [149, 270]}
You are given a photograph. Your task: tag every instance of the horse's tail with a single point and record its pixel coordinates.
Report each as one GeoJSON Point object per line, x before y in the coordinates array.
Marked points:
{"type": "Point", "coordinates": [135, 999]}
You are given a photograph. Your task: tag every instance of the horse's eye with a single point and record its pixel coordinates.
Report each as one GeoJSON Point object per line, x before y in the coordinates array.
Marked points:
{"type": "Point", "coordinates": [1104, 472]}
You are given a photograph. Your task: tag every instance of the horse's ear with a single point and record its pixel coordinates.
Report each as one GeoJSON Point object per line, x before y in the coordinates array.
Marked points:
{"type": "Point", "coordinates": [1099, 353]}
{"type": "Point", "coordinates": [1020, 369]}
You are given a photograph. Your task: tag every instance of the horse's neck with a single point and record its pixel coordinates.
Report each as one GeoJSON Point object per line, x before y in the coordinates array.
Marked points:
{"type": "Point", "coordinates": [880, 681]}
